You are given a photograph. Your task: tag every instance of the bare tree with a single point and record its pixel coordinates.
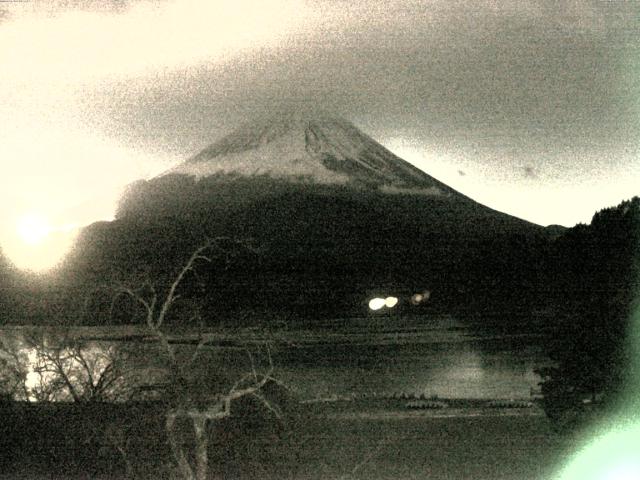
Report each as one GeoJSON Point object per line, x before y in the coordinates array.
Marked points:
{"type": "Point", "coordinates": [198, 407]}
{"type": "Point", "coordinates": [56, 366]}
{"type": "Point", "coordinates": [14, 369]}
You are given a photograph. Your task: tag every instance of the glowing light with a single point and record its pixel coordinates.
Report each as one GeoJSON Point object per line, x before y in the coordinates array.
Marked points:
{"type": "Point", "coordinates": [391, 302]}
{"type": "Point", "coordinates": [51, 156]}
{"type": "Point", "coordinates": [33, 229]}
{"type": "Point", "coordinates": [377, 303]}
{"type": "Point", "coordinates": [624, 472]}
{"type": "Point", "coordinates": [418, 298]}
{"type": "Point", "coordinates": [613, 456]}
{"type": "Point", "coordinates": [35, 244]}
{"type": "Point", "coordinates": [33, 378]}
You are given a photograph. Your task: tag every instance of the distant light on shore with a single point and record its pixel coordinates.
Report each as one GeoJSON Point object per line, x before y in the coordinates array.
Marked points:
{"type": "Point", "coordinates": [376, 303]}
{"type": "Point", "coordinates": [418, 298]}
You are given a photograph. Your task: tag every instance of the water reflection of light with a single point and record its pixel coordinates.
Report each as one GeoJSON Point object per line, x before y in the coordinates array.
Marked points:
{"type": "Point", "coordinates": [32, 379]}
{"type": "Point", "coordinates": [37, 378]}
{"type": "Point", "coordinates": [82, 367]}
{"type": "Point", "coordinates": [466, 368]}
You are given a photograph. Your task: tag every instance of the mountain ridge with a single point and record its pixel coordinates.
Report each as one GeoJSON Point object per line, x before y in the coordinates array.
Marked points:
{"type": "Point", "coordinates": [325, 149]}
{"type": "Point", "coordinates": [334, 216]}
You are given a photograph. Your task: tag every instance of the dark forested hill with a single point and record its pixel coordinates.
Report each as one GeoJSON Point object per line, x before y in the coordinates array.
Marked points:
{"type": "Point", "coordinates": [594, 288]}
{"type": "Point", "coordinates": [316, 250]}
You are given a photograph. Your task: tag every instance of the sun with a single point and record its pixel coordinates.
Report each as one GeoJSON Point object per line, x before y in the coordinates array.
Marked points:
{"type": "Point", "coordinates": [33, 242]}
{"type": "Point", "coordinates": [33, 229]}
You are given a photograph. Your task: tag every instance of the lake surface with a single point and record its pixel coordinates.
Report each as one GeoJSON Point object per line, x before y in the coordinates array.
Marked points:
{"type": "Point", "coordinates": [431, 356]}
{"type": "Point", "coordinates": [362, 356]}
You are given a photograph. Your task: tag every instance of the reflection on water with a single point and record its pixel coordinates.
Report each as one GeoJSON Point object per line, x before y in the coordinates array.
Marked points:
{"type": "Point", "coordinates": [456, 370]}
{"type": "Point", "coordinates": [360, 356]}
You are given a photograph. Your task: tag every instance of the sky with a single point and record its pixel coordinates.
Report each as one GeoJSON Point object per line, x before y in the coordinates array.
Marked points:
{"type": "Point", "coordinates": [529, 107]}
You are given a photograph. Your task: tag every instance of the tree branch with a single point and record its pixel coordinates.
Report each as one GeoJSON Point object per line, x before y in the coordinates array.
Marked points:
{"type": "Point", "coordinates": [171, 296]}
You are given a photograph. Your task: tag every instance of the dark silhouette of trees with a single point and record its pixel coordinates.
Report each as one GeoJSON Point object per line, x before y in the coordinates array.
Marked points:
{"type": "Point", "coordinates": [188, 398]}
{"type": "Point", "coordinates": [201, 409]}
{"type": "Point", "coordinates": [594, 280]}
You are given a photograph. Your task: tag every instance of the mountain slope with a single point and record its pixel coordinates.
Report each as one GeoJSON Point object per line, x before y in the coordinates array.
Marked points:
{"type": "Point", "coordinates": [325, 150]}
{"type": "Point", "coordinates": [334, 218]}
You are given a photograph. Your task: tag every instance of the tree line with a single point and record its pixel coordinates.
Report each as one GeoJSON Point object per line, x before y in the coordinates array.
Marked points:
{"type": "Point", "coordinates": [594, 284]}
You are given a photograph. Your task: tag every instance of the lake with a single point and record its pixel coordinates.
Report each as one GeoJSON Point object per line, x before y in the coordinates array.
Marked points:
{"type": "Point", "coordinates": [384, 356]}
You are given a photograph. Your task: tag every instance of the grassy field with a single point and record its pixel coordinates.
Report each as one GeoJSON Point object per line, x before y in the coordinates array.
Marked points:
{"type": "Point", "coordinates": [320, 442]}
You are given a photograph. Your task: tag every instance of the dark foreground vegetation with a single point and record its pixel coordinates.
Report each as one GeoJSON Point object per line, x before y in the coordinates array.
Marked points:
{"type": "Point", "coordinates": [129, 441]}
{"type": "Point", "coordinates": [594, 296]}
{"type": "Point", "coordinates": [110, 441]}
{"type": "Point", "coordinates": [584, 281]}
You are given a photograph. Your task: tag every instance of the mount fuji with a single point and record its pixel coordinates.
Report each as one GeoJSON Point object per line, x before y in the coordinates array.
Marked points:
{"type": "Point", "coordinates": [334, 216]}
{"type": "Point", "coordinates": [324, 150]}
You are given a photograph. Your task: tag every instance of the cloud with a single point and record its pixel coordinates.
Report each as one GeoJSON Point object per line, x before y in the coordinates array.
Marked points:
{"type": "Point", "coordinates": [117, 90]}
{"type": "Point", "coordinates": [81, 44]}
{"type": "Point", "coordinates": [57, 151]}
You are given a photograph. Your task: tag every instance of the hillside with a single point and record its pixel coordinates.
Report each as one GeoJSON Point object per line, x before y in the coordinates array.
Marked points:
{"type": "Point", "coordinates": [334, 219]}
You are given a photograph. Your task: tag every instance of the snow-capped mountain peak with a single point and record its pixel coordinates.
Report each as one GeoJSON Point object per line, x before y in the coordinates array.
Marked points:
{"type": "Point", "coordinates": [320, 149]}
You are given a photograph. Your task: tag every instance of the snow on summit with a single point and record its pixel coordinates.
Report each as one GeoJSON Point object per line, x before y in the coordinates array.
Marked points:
{"type": "Point", "coordinates": [322, 149]}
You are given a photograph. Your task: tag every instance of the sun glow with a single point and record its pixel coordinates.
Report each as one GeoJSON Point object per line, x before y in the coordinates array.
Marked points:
{"type": "Point", "coordinates": [610, 456]}
{"type": "Point", "coordinates": [35, 244]}
{"type": "Point", "coordinates": [33, 229]}
{"type": "Point", "coordinates": [56, 160]}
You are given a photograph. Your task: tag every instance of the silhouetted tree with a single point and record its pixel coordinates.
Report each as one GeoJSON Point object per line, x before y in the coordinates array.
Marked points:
{"type": "Point", "coordinates": [594, 280]}
{"type": "Point", "coordinates": [188, 398]}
